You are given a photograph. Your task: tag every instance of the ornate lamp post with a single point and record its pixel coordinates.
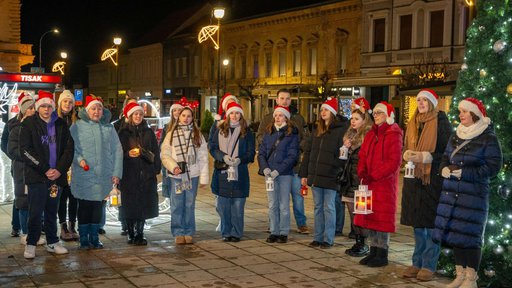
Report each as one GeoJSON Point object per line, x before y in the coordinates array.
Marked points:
{"type": "Point", "coordinates": [41, 45]}
{"type": "Point", "coordinates": [218, 13]}
{"type": "Point", "coordinates": [225, 62]}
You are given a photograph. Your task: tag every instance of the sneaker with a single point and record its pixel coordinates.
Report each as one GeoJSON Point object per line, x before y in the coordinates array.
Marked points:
{"type": "Point", "coordinates": [303, 229]}
{"type": "Point", "coordinates": [15, 233]}
{"type": "Point", "coordinates": [272, 238]}
{"type": "Point", "coordinates": [235, 239]}
{"type": "Point", "coordinates": [102, 231]}
{"type": "Point", "coordinates": [188, 239]}
{"type": "Point", "coordinates": [282, 239]}
{"type": "Point", "coordinates": [30, 252]}
{"type": "Point", "coordinates": [315, 244]}
{"type": "Point", "coordinates": [23, 240]}
{"type": "Point", "coordinates": [56, 248]}
{"type": "Point", "coordinates": [217, 229]}
{"type": "Point", "coordinates": [325, 245]}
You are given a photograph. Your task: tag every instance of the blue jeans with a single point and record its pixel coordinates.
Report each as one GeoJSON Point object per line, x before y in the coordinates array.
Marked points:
{"type": "Point", "coordinates": [39, 201]}
{"type": "Point", "coordinates": [23, 214]}
{"type": "Point", "coordinates": [183, 209]}
{"type": "Point", "coordinates": [340, 213]}
{"type": "Point", "coordinates": [15, 221]}
{"type": "Point", "coordinates": [325, 214]}
{"type": "Point", "coordinates": [231, 212]}
{"type": "Point", "coordinates": [298, 202]}
{"type": "Point", "coordinates": [279, 205]}
{"type": "Point", "coordinates": [426, 252]}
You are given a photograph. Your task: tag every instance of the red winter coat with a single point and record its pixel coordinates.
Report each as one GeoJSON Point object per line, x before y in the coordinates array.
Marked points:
{"type": "Point", "coordinates": [379, 165]}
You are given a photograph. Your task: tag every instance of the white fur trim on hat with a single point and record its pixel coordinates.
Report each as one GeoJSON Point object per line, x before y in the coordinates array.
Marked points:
{"type": "Point", "coordinates": [285, 112]}
{"type": "Point", "coordinates": [234, 108]}
{"type": "Point", "coordinates": [430, 95]}
{"type": "Point", "coordinates": [328, 105]}
{"type": "Point", "coordinates": [225, 101]}
{"type": "Point", "coordinates": [95, 101]}
{"type": "Point", "coordinates": [134, 109]}
{"type": "Point", "coordinates": [175, 106]}
{"type": "Point", "coordinates": [45, 100]}
{"type": "Point", "coordinates": [66, 94]}
{"type": "Point", "coordinates": [390, 115]}
{"type": "Point", "coordinates": [472, 107]}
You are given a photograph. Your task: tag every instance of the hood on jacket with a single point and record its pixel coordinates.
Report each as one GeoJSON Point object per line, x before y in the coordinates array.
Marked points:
{"type": "Point", "coordinates": [105, 119]}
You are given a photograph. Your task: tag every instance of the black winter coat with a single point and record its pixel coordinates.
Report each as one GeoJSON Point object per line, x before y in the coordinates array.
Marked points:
{"type": "Point", "coordinates": [17, 166]}
{"type": "Point", "coordinates": [320, 163]}
{"type": "Point", "coordinates": [350, 170]}
{"type": "Point", "coordinates": [35, 150]}
{"type": "Point", "coordinates": [139, 183]}
{"type": "Point", "coordinates": [419, 202]}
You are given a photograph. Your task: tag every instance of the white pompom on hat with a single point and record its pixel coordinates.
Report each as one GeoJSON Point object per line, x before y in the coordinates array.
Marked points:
{"type": "Point", "coordinates": [387, 108]}
{"type": "Point", "coordinates": [477, 107]}
{"type": "Point", "coordinates": [430, 94]}
{"type": "Point", "coordinates": [331, 104]}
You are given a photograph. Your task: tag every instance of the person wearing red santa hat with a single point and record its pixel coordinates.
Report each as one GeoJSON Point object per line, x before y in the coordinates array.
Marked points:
{"type": "Point", "coordinates": [472, 158]}
{"type": "Point", "coordinates": [141, 165]}
{"type": "Point", "coordinates": [232, 148]}
{"type": "Point", "coordinates": [47, 150]}
{"type": "Point", "coordinates": [97, 165]}
{"type": "Point", "coordinates": [318, 170]}
{"type": "Point", "coordinates": [278, 153]}
{"type": "Point", "coordinates": [360, 123]}
{"type": "Point", "coordinates": [426, 137]}
{"type": "Point", "coordinates": [380, 157]}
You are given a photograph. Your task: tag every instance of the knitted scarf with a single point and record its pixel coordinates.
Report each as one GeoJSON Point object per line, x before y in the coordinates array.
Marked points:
{"type": "Point", "coordinates": [424, 142]}
{"type": "Point", "coordinates": [182, 142]}
{"type": "Point", "coordinates": [228, 146]}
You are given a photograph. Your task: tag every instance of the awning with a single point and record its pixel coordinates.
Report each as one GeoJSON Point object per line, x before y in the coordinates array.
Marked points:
{"type": "Point", "coordinates": [367, 81]}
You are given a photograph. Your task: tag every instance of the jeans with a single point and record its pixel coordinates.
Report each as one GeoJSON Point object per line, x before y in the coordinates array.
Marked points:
{"type": "Point", "coordinates": [231, 212]}
{"type": "Point", "coordinates": [39, 201]}
{"type": "Point", "coordinates": [23, 214]}
{"type": "Point", "coordinates": [279, 205]}
{"type": "Point", "coordinates": [298, 202]}
{"type": "Point", "coordinates": [426, 252]}
{"type": "Point", "coordinates": [325, 214]}
{"type": "Point", "coordinates": [340, 213]}
{"type": "Point", "coordinates": [183, 206]}
{"type": "Point", "coordinates": [15, 221]}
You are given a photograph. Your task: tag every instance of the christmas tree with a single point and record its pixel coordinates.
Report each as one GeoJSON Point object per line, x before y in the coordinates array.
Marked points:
{"type": "Point", "coordinates": [487, 75]}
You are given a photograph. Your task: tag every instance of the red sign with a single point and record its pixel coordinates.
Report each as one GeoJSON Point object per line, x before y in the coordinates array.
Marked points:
{"type": "Point", "coordinates": [37, 78]}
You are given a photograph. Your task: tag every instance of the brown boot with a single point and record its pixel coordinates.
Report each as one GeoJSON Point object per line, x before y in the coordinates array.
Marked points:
{"type": "Point", "coordinates": [410, 272]}
{"type": "Point", "coordinates": [72, 230]}
{"type": "Point", "coordinates": [470, 279]}
{"type": "Point", "coordinates": [425, 275]}
{"type": "Point", "coordinates": [64, 232]}
{"type": "Point", "coordinates": [459, 279]}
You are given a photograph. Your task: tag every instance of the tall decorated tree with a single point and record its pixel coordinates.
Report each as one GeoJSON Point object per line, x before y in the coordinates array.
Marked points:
{"type": "Point", "coordinates": [487, 75]}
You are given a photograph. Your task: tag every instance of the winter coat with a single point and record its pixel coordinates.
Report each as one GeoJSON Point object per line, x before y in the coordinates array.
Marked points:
{"type": "Point", "coordinates": [98, 144]}
{"type": "Point", "coordinates": [320, 163]}
{"type": "Point", "coordinates": [199, 169]}
{"type": "Point", "coordinates": [17, 165]}
{"type": "Point", "coordinates": [139, 183]}
{"type": "Point", "coordinates": [285, 154]}
{"type": "Point", "coordinates": [34, 149]}
{"type": "Point", "coordinates": [220, 184]}
{"type": "Point", "coordinates": [380, 157]}
{"type": "Point", "coordinates": [347, 188]}
{"type": "Point", "coordinates": [419, 202]}
{"type": "Point", "coordinates": [464, 204]}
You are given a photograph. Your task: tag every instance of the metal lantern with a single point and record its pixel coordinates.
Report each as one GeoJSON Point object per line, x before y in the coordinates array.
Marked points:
{"type": "Point", "coordinates": [409, 170]}
{"type": "Point", "coordinates": [231, 173]}
{"type": "Point", "coordinates": [343, 152]}
{"type": "Point", "coordinates": [114, 198]}
{"type": "Point", "coordinates": [269, 184]}
{"type": "Point", "coordinates": [363, 200]}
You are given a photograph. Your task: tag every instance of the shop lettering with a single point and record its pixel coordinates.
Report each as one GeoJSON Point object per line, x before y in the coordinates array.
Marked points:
{"type": "Point", "coordinates": [32, 78]}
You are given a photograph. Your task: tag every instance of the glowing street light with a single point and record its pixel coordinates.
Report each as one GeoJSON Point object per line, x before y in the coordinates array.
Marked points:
{"type": "Point", "coordinates": [41, 44]}
{"type": "Point", "coordinates": [60, 65]}
{"type": "Point", "coordinates": [225, 62]}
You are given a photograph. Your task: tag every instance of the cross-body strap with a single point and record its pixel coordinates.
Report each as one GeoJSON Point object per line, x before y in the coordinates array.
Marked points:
{"type": "Point", "coordinates": [275, 145]}
{"type": "Point", "coordinates": [457, 149]}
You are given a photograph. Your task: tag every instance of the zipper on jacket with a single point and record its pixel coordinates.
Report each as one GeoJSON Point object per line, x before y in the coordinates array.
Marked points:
{"type": "Point", "coordinates": [318, 158]}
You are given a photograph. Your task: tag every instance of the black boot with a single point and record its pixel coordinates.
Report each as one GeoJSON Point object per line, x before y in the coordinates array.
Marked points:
{"type": "Point", "coordinates": [130, 229]}
{"type": "Point", "coordinates": [124, 227]}
{"type": "Point", "coordinates": [359, 249]}
{"type": "Point", "coordinates": [381, 259]}
{"type": "Point", "coordinates": [373, 254]}
{"type": "Point", "coordinates": [139, 233]}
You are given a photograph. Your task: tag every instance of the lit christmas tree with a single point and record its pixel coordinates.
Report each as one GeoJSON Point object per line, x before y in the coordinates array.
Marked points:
{"type": "Point", "coordinates": [487, 75]}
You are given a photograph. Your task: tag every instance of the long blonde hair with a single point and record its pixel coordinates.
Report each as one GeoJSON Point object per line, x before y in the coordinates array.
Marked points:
{"type": "Point", "coordinates": [196, 133]}
{"type": "Point", "coordinates": [357, 136]}
{"type": "Point", "coordinates": [73, 113]}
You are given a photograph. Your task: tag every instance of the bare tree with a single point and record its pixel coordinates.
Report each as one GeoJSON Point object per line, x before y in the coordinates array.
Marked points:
{"type": "Point", "coordinates": [246, 87]}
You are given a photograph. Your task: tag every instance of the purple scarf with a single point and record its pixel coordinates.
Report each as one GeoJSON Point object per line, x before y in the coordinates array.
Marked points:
{"type": "Point", "coordinates": [52, 141]}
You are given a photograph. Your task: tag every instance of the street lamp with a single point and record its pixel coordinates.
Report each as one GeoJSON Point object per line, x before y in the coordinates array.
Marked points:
{"type": "Point", "coordinates": [225, 62]}
{"type": "Point", "coordinates": [218, 13]}
{"type": "Point", "coordinates": [41, 43]}
{"type": "Point", "coordinates": [117, 42]}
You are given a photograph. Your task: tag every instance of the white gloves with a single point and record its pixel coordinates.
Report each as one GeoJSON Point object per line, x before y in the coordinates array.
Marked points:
{"type": "Point", "coordinates": [235, 161]}
{"type": "Point", "coordinates": [417, 156]}
{"type": "Point", "coordinates": [274, 174]}
{"type": "Point", "coordinates": [227, 159]}
{"type": "Point", "coordinates": [266, 172]}
{"type": "Point", "coordinates": [457, 173]}
{"type": "Point", "coordinates": [446, 172]}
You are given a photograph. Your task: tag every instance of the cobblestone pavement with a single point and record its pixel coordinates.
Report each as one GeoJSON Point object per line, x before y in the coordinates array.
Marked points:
{"type": "Point", "coordinates": [208, 262]}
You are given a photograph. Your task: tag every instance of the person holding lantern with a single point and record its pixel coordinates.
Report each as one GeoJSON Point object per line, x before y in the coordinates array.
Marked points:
{"type": "Point", "coordinates": [232, 148]}
{"type": "Point", "coordinates": [360, 123]}
{"type": "Point", "coordinates": [426, 137]}
{"type": "Point", "coordinates": [380, 157]}
{"type": "Point", "coordinates": [141, 165]}
{"type": "Point", "coordinates": [97, 165]}
{"type": "Point", "coordinates": [318, 169]}
{"type": "Point", "coordinates": [472, 157]}
{"type": "Point", "coordinates": [277, 155]}
{"type": "Point", "coordinates": [184, 154]}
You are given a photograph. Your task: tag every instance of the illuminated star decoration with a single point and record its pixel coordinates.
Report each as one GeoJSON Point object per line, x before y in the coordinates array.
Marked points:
{"type": "Point", "coordinates": [108, 54]}
{"type": "Point", "coordinates": [59, 67]}
{"type": "Point", "coordinates": [206, 33]}
{"type": "Point", "coordinates": [7, 97]}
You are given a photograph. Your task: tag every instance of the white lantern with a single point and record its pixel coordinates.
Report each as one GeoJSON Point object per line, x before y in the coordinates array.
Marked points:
{"type": "Point", "coordinates": [269, 184]}
{"type": "Point", "coordinates": [343, 152]}
{"type": "Point", "coordinates": [363, 200]}
{"type": "Point", "coordinates": [231, 173]}
{"type": "Point", "coordinates": [409, 169]}
{"type": "Point", "coordinates": [114, 197]}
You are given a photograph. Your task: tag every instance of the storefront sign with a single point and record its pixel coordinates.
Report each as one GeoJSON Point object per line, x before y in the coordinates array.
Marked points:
{"type": "Point", "coordinates": [16, 77]}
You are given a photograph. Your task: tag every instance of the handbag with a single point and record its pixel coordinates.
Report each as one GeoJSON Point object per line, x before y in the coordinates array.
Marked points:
{"type": "Point", "coordinates": [342, 176]}
{"type": "Point", "coordinates": [221, 165]}
{"type": "Point", "coordinates": [147, 155]}
{"type": "Point", "coordinates": [260, 172]}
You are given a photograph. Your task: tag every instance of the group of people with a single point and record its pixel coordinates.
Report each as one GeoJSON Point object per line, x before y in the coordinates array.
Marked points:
{"type": "Point", "coordinates": [445, 200]}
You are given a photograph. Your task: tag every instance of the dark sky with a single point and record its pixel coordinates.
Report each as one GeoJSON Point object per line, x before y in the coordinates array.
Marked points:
{"type": "Point", "coordinates": [87, 28]}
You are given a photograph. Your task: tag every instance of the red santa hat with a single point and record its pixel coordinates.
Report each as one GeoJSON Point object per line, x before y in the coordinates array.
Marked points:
{"type": "Point", "coordinates": [331, 104]}
{"type": "Point", "coordinates": [234, 107]}
{"type": "Point", "coordinates": [282, 109]}
{"type": "Point", "coordinates": [387, 108]}
{"type": "Point", "coordinates": [66, 94]}
{"type": "Point", "coordinates": [25, 100]}
{"type": "Point", "coordinates": [44, 97]}
{"type": "Point", "coordinates": [224, 103]}
{"type": "Point", "coordinates": [91, 100]}
{"type": "Point", "coordinates": [430, 94]}
{"type": "Point", "coordinates": [130, 108]}
{"type": "Point", "coordinates": [477, 107]}
{"type": "Point", "coordinates": [362, 105]}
